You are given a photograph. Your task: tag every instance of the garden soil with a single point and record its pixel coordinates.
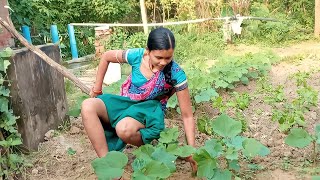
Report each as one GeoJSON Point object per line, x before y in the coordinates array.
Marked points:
{"type": "Point", "coordinates": [67, 155]}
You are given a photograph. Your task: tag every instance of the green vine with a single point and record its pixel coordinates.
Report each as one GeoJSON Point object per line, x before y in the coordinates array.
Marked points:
{"type": "Point", "coordinates": [11, 163]}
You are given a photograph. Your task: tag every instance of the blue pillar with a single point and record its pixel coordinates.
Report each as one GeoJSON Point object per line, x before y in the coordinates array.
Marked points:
{"type": "Point", "coordinates": [54, 34]}
{"type": "Point", "coordinates": [26, 33]}
{"type": "Point", "coordinates": [73, 44]}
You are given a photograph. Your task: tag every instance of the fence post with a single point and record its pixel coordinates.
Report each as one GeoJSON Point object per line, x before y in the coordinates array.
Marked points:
{"type": "Point", "coordinates": [26, 33]}
{"type": "Point", "coordinates": [73, 44]}
{"type": "Point", "coordinates": [54, 34]}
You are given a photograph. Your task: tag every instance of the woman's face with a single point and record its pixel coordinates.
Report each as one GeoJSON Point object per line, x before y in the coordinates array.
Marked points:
{"type": "Point", "coordinates": [160, 58]}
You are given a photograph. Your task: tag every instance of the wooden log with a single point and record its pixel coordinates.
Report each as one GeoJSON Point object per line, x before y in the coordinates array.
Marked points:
{"type": "Point", "coordinates": [64, 71]}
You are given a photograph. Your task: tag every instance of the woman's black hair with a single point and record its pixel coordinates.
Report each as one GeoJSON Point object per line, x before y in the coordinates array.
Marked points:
{"type": "Point", "coordinates": [161, 39]}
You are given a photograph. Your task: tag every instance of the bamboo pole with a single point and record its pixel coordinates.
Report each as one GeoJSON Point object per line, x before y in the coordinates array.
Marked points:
{"type": "Point", "coordinates": [64, 71]}
{"type": "Point", "coordinates": [144, 16]}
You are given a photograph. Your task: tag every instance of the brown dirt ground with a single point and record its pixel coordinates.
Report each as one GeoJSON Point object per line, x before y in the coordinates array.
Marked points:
{"type": "Point", "coordinates": [52, 161]}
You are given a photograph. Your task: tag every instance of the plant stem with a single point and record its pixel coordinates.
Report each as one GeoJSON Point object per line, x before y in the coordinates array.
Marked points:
{"type": "Point", "coordinates": [314, 154]}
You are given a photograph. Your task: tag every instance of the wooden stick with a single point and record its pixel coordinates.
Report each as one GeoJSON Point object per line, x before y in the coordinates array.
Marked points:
{"type": "Point", "coordinates": [64, 71]}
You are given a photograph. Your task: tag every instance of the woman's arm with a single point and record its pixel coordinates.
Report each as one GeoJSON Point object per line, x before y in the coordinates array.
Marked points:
{"type": "Point", "coordinates": [114, 56]}
{"type": "Point", "coordinates": [187, 116]}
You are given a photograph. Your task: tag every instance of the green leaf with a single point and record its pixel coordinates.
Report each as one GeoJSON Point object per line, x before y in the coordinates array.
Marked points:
{"type": "Point", "coordinates": [110, 166]}
{"type": "Point", "coordinates": [157, 169]}
{"type": "Point", "coordinates": [138, 164]}
{"type": "Point", "coordinates": [213, 147]}
{"type": "Point", "coordinates": [226, 127]}
{"type": "Point", "coordinates": [4, 91]}
{"type": "Point", "coordinates": [235, 142]}
{"type": "Point", "coordinates": [244, 80]}
{"type": "Point", "coordinates": [144, 151]}
{"type": "Point", "coordinates": [206, 164]}
{"type": "Point", "coordinates": [234, 164]}
{"type": "Point", "coordinates": [3, 104]}
{"type": "Point", "coordinates": [298, 138]}
{"type": "Point", "coordinates": [71, 152]}
{"type": "Point", "coordinates": [225, 175]}
{"type": "Point", "coordinates": [138, 175]}
{"type": "Point", "coordinates": [6, 53]}
{"type": "Point", "coordinates": [183, 151]}
{"type": "Point", "coordinates": [231, 154]}
{"type": "Point", "coordinates": [252, 148]}
{"type": "Point", "coordinates": [206, 95]}
{"type": "Point", "coordinates": [162, 156]}
{"type": "Point", "coordinates": [169, 135]}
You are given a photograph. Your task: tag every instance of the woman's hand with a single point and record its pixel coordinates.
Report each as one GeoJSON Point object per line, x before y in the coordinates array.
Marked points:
{"type": "Point", "coordinates": [193, 164]}
{"type": "Point", "coordinates": [94, 93]}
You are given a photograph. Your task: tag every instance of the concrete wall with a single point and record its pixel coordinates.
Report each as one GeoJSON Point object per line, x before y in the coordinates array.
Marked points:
{"type": "Point", "coordinates": [38, 94]}
{"type": "Point", "coordinates": [5, 36]}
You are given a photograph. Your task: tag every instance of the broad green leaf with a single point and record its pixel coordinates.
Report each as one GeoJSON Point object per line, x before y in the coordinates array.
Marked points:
{"type": "Point", "coordinates": [138, 164]}
{"type": "Point", "coordinates": [221, 84]}
{"type": "Point", "coordinates": [235, 142]}
{"type": "Point", "coordinates": [206, 164]}
{"type": "Point", "coordinates": [181, 151]}
{"type": "Point", "coordinates": [252, 148]}
{"type": "Point", "coordinates": [162, 156]}
{"type": "Point", "coordinates": [225, 175]}
{"type": "Point", "coordinates": [144, 151]}
{"type": "Point", "coordinates": [298, 138]}
{"type": "Point", "coordinates": [14, 142]}
{"type": "Point", "coordinates": [169, 135]}
{"type": "Point", "coordinates": [157, 169]}
{"type": "Point", "coordinates": [110, 166]}
{"type": "Point", "coordinates": [231, 154]}
{"type": "Point", "coordinates": [226, 127]}
{"type": "Point", "coordinates": [244, 80]}
{"type": "Point", "coordinates": [206, 95]}
{"type": "Point", "coordinates": [213, 147]}
{"type": "Point", "coordinates": [138, 175]}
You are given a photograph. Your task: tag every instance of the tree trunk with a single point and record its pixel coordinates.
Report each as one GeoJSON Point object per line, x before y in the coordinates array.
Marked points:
{"type": "Point", "coordinates": [144, 16]}
{"type": "Point", "coordinates": [317, 19]}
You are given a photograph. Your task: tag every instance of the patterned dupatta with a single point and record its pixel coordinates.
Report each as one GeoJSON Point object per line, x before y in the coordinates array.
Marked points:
{"type": "Point", "coordinates": [159, 87]}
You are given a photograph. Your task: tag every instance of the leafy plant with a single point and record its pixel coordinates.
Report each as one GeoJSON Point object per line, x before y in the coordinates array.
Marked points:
{"type": "Point", "coordinates": [11, 163]}
{"type": "Point", "coordinates": [291, 113]}
{"type": "Point", "coordinates": [300, 138]}
{"type": "Point", "coordinates": [152, 162]}
{"type": "Point", "coordinates": [110, 166]}
{"type": "Point", "coordinates": [227, 146]}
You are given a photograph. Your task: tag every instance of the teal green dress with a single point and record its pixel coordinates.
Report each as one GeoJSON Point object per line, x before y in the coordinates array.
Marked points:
{"type": "Point", "coordinates": [149, 109]}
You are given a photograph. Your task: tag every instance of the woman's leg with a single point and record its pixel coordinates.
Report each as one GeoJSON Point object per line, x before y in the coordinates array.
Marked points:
{"type": "Point", "coordinates": [92, 111]}
{"type": "Point", "coordinates": [128, 130]}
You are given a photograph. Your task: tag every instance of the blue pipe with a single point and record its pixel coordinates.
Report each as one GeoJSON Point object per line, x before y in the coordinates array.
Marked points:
{"type": "Point", "coordinates": [73, 44]}
{"type": "Point", "coordinates": [54, 34]}
{"type": "Point", "coordinates": [26, 33]}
